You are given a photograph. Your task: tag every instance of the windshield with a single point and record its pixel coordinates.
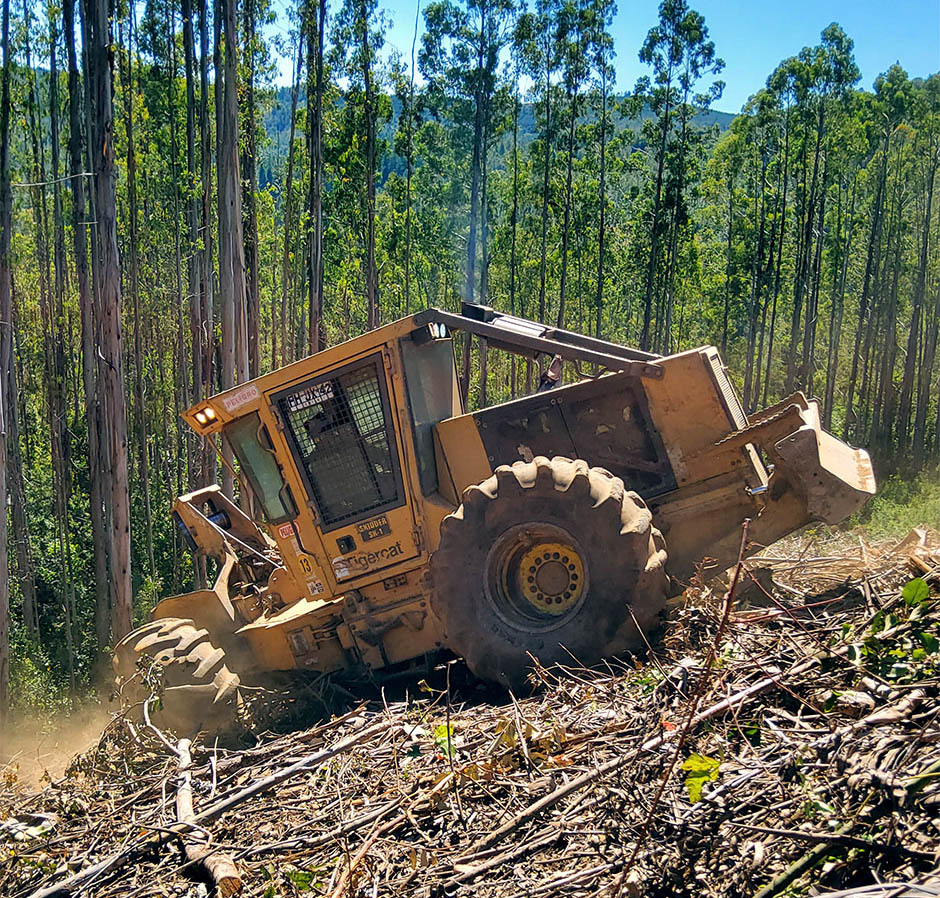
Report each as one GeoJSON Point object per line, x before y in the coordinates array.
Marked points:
{"type": "Point", "coordinates": [340, 432]}
{"type": "Point", "coordinates": [260, 467]}
{"type": "Point", "coordinates": [432, 396]}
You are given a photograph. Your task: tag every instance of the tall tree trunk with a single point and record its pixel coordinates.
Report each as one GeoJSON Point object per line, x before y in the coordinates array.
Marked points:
{"type": "Point", "coordinates": [920, 286]}
{"type": "Point", "coordinates": [181, 365]}
{"type": "Point", "coordinates": [50, 302]}
{"type": "Point", "coordinates": [89, 318]}
{"type": "Point", "coordinates": [192, 232]}
{"type": "Point", "coordinates": [6, 339]}
{"type": "Point", "coordinates": [514, 219]}
{"type": "Point", "coordinates": [851, 424]}
{"type": "Point", "coordinates": [838, 309]}
{"type": "Point", "coordinates": [546, 170]}
{"type": "Point", "coordinates": [372, 298]}
{"type": "Point", "coordinates": [886, 404]}
{"type": "Point", "coordinates": [754, 306]}
{"type": "Point", "coordinates": [476, 162]}
{"type": "Point", "coordinates": [249, 171]}
{"type": "Point", "coordinates": [602, 210]}
{"type": "Point", "coordinates": [231, 244]}
{"type": "Point", "coordinates": [315, 23]}
{"type": "Point", "coordinates": [57, 375]}
{"type": "Point", "coordinates": [25, 572]}
{"type": "Point", "coordinates": [289, 205]}
{"type": "Point", "coordinates": [566, 218]}
{"type": "Point", "coordinates": [140, 411]}
{"type": "Point", "coordinates": [804, 237]}
{"type": "Point", "coordinates": [672, 258]}
{"type": "Point", "coordinates": [727, 306]}
{"type": "Point", "coordinates": [653, 260]}
{"type": "Point", "coordinates": [409, 162]}
{"type": "Point", "coordinates": [112, 381]}
{"type": "Point", "coordinates": [812, 302]}
{"type": "Point", "coordinates": [318, 178]}
{"type": "Point", "coordinates": [926, 367]}
{"type": "Point", "coordinates": [777, 273]}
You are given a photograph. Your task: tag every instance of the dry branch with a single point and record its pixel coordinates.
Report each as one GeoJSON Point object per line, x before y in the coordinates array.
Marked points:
{"type": "Point", "coordinates": [819, 711]}
{"type": "Point", "coordinates": [220, 867]}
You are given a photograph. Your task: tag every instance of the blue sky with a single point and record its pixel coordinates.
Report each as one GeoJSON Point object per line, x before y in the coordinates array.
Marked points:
{"type": "Point", "coordinates": [751, 37]}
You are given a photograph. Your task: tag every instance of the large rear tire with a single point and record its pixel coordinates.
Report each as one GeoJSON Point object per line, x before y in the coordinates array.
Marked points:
{"type": "Point", "coordinates": [199, 692]}
{"type": "Point", "coordinates": [549, 558]}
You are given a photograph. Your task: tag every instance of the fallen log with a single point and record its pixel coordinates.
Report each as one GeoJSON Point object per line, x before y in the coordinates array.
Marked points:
{"type": "Point", "coordinates": [219, 867]}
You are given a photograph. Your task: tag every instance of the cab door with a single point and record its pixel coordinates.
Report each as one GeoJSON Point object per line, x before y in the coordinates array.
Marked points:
{"type": "Point", "coordinates": [341, 432]}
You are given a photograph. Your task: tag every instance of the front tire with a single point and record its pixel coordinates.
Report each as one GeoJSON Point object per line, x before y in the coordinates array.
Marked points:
{"type": "Point", "coordinates": [199, 692]}
{"type": "Point", "coordinates": [551, 558]}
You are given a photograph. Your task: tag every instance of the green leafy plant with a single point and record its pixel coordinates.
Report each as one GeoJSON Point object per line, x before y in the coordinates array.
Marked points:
{"type": "Point", "coordinates": [444, 739]}
{"type": "Point", "coordinates": [700, 769]}
{"type": "Point", "coordinates": [916, 592]}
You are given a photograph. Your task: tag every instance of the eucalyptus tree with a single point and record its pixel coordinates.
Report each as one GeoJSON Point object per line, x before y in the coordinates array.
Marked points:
{"type": "Point", "coordinates": [6, 228]}
{"type": "Point", "coordinates": [98, 23]}
{"type": "Point", "coordinates": [314, 29]}
{"type": "Point", "coordinates": [925, 320]}
{"type": "Point", "coordinates": [602, 55]}
{"type": "Point", "coordinates": [828, 72]}
{"type": "Point", "coordinates": [358, 37]}
{"type": "Point", "coordinates": [537, 33]}
{"type": "Point", "coordinates": [679, 52]}
{"type": "Point", "coordinates": [459, 57]}
{"type": "Point", "coordinates": [698, 60]}
{"type": "Point", "coordinates": [889, 106]}
{"type": "Point", "coordinates": [576, 23]}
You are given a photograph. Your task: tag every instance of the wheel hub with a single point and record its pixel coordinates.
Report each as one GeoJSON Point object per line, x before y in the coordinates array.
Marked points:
{"type": "Point", "coordinates": [550, 576]}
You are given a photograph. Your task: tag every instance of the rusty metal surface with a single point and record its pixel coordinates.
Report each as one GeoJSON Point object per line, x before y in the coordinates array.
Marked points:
{"type": "Point", "coordinates": [605, 420]}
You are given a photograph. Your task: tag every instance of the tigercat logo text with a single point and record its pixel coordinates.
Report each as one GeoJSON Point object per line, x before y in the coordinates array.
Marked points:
{"type": "Point", "coordinates": [360, 562]}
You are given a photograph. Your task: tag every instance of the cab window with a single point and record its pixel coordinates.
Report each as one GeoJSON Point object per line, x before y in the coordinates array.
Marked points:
{"type": "Point", "coordinates": [431, 379]}
{"type": "Point", "coordinates": [259, 465]}
{"type": "Point", "coordinates": [342, 439]}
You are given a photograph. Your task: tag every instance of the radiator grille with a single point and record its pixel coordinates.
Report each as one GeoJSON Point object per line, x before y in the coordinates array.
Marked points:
{"type": "Point", "coordinates": [726, 388]}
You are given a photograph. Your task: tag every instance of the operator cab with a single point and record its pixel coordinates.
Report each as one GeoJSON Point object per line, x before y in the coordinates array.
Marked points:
{"type": "Point", "coordinates": [338, 450]}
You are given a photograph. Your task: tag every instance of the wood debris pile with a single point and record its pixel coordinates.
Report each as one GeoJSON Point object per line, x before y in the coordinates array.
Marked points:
{"type": "Point", "coordinates": [786, 741]}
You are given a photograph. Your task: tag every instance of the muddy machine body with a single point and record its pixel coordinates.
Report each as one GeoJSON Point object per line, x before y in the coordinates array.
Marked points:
{"type": "Point", "coordinates": [396, 523]}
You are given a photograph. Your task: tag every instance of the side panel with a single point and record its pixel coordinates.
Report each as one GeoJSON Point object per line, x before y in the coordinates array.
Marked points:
{"type": "Point", "coordinates": [463, 453]}
{"type": "Point", "coordinates": [604, 421]}
{"type": "Point", "coordinates": [689, 411]}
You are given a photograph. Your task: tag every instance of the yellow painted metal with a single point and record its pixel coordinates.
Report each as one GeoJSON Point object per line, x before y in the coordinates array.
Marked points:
{"type": "Point", "coordinates": [549, 576]}
{"type": "Point", "coordinates": [465, 459]}
{"type": "Point", "coordinates": [298, 596]}
{"type": "Point", "coordinates": [688, 413]}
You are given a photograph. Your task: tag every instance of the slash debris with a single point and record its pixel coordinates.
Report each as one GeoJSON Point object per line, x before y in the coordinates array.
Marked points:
{"type": "Point", "coordinates": [783, 737]}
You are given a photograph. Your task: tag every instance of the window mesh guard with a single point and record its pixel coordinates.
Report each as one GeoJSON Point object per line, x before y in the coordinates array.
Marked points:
{"type": "Point", "coordinates": [339, 428]}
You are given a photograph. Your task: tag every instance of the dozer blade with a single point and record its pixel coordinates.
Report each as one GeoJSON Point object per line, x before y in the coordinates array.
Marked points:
{"type": "Point", "coordinates": [835, 479]}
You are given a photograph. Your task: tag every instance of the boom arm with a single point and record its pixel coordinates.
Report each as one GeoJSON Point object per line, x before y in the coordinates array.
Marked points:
{"type": "Point", "coordinates": [523, 337]}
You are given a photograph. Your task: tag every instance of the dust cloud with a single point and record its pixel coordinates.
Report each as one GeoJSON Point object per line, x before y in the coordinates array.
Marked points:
{"type": "Point", "coordinates": [36, 747]}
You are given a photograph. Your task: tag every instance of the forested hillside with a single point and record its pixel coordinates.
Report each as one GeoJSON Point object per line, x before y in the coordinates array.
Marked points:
{"type": "Point", "coordinates": [174, 224]}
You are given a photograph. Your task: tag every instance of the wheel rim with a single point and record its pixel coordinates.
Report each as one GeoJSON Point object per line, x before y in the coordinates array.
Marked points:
{"type": "Point", "coordinates": [536, 576]}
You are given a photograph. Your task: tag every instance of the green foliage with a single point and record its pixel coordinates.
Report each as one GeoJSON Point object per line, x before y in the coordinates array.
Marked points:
{"type": "Point", "coordinates": [900, 647]}
{"type": "Point", "coordinates": [901, 504]}
{"type": "Point", "coordinates": [916, 591]}
{"type": "Point", "coordinates": [799, 236]}
{"type": "Point", "coordinates": [700, 769]}
{"type": "Point", "coordinates": [444, 739]}
{"type": "Point", "coordinates": [34, 686]}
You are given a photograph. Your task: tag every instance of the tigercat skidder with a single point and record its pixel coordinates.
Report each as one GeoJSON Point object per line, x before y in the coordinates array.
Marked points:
{"type": "Point", "coordinates": [547, 527]}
